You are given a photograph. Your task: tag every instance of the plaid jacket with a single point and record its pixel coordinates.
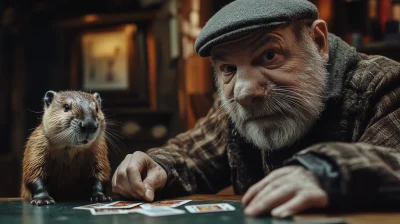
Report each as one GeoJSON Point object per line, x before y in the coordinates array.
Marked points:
{"type": "Point", "coordinates": [359, 132]}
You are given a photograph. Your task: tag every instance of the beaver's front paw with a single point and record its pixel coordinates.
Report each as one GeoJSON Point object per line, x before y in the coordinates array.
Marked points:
{"type": "Point", "coordinates": [43, 200]}
{"type": "Point", "coordinates": [99, 197]}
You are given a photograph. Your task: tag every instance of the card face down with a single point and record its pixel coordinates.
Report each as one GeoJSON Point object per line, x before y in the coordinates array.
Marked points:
{"type": "Point", "coordinates": [222, 207]}
{"type": "Point", "coordinates": [171, 203]}
{"type": "Point", "coordinates": [161, 211]}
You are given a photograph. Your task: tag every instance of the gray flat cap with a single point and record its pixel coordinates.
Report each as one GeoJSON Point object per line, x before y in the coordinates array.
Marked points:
{"type": "Point", "coordinates": [245, 15]}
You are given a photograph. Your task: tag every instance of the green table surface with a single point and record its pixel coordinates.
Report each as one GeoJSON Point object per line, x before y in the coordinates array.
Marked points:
{"type": "Point", "coordinates": [15, 210]}
{"type": "Point", "coordinates": [62, 212]}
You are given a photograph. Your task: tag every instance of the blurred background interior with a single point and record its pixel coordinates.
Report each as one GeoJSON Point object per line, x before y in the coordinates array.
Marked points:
{"type": "Point", "coordinates": [138, 54]}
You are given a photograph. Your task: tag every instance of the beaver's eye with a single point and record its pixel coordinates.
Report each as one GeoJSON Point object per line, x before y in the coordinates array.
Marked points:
{"type": "Point", "coordinates": [97, 109]}
{"type": "Point", "coordinates": [66, 108]}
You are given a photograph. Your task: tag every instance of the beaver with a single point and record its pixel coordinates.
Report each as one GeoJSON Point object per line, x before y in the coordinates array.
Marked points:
{"type": "Point", "coordinates": [66, 155]}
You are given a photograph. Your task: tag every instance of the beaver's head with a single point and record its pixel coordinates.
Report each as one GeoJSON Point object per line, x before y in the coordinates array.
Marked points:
{"type": "Point", "coordinates": [73, 118]}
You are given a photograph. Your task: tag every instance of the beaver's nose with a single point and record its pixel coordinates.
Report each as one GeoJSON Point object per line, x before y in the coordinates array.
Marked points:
{"type": "Point", "coordinates": [88, 126]}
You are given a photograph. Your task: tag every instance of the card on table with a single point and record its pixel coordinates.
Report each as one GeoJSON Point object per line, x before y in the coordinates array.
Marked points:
{"type": "Point", "coordinates": [135, 209]}
{"type": "Point", "coordinates": [222, 207]}
{"type": "Point", "coordinates": [88, 207]}
{"type": "Point", "coordinates": [320, 221]}
{"type": "Point", "coordinates": [161, 211]}
{"type": "Point", "coordinates": [171, 203]}
{"type": "Point", "coordinates": [107, 211]}
{"type": "Point", "coordinates": [122, 204]}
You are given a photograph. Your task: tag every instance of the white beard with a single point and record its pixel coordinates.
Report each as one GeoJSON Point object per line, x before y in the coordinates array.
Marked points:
{"type": "Point", "coordinates": [274, 135]}
{"type": "Point", "coordinates": [299, 109]}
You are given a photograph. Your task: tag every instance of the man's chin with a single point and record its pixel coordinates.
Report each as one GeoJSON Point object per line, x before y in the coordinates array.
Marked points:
{"type": "Point", "coordinates": [270, 134]}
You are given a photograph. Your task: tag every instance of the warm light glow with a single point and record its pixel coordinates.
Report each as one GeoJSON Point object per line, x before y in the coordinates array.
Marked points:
{"type": "Point", "coordinates": [109, 41]}
{"type": "Point", "coordinates": [190, 30]}
{"type": "Point", "coordinates": [130, 29]}
{"type": "Point", "coordinates": [372, 8]}
{"type": "Point", "coordinates": [90, 18]}
{"type": "Point", "coordinates": [396, 12]}
{"type": "Point", "coordinates": [325, 10]}
{"type": "Point", "coordinates": [196, 5]}
{"type": "Point", "coordinates": [194, 18]}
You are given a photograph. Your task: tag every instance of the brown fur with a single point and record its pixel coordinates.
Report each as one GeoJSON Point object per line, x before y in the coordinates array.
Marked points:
{"type": "Point", "coordinates": [66, 170]}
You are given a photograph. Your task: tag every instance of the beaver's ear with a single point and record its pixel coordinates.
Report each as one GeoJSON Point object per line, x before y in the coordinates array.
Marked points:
{"type": "Point", "coordinates": [48, 98]}
{"type": "Point", "coordinates": [98, 98]}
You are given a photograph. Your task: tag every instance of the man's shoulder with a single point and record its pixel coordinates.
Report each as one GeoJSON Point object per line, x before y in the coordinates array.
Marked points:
{"type": "Point", "coordinates": [372, 72]}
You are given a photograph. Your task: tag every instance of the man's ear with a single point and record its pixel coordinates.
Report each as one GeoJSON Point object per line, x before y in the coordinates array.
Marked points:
{"type": "Point", "coordinates": [48, 98]}
{"type": "Point", "coordinates": [98, 98]}
{"type": "Point", "coordinates": [320, 37]}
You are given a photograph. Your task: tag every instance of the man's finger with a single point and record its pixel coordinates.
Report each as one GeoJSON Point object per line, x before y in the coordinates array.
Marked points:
{"type": "Point", "coordinates": [268, 199]}
{"type": "Point", "coordinates": [152, 182]}
{"type": "Point", "coordinates": [300, 203]}
{"type": "Point", "coordinates": [121, 167]}
{"type": "Point", "coordinates": [114, 179]}
{"type": "Point", "coordinates": [114, 184]}
{"type": "Point", "coordinates": [122, 184]}
{"type": "Point", "coordinates": [253, 190]}
{"type": "Point", "coordinates": [149, 195]}
{"type": "Point", "coordinates": [134, 173]}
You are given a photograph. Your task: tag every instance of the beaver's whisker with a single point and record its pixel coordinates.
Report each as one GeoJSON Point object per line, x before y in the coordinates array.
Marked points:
{"type": "Point", "coordinates": [118, 133]}
{"type": "Point", "coordinates": [113, 144]}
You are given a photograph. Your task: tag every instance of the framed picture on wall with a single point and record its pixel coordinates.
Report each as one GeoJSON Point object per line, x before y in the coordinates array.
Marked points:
{"type": "Point", "coordinates": [113, 61]}
{"type": "Point", "coordinates": [105, 58]}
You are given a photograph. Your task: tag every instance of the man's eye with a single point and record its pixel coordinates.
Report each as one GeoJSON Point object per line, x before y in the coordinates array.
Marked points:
{"type": "Point", "coordinates": [269, 55]}
{"type": "Point", "coordinates": [228, 69]}
{"type": "Point", "coordinates": [66, 108]}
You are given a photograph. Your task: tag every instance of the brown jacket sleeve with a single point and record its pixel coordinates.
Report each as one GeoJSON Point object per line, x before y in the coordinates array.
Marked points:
{"type": "Point", "coordinates": [196, 161]}
{"type": "Point", "coordinates": [370, 165]}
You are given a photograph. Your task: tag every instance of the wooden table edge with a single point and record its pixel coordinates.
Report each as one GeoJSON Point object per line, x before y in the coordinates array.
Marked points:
{"type": "Point", "coordinates": [11, 199]}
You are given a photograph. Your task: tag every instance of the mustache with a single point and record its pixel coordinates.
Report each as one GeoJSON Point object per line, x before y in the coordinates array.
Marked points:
{"type": "Point", "coordinates": [283, 100]}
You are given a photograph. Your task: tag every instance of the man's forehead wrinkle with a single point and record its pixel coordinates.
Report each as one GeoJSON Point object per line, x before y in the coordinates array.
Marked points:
{"type": "Point", "coordinates": [249, 41]}
{"type": "Point", "coordinates": [266, 39]}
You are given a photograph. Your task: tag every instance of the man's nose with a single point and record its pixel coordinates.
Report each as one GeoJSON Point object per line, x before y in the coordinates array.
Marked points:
{"type": "Point", "coordinates": [251, 91]}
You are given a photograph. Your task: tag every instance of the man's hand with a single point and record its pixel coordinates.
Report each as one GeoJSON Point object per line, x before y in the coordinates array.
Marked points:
{"type": "Point", "coordinates": [138, 176]}
{"type": "Point", "coordinates": [284, 192]}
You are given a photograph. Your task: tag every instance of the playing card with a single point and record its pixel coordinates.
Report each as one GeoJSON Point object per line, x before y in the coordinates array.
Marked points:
{"type": "Point", "coordinates": [134, 209]}
{"type": "Point", "coordinates": [209, 208]}
{"type": "Point", "coordinates": [122, 204]}
{"type": "Point", "coordinates": [160, 211]}
{"type": "Point", "coordinates": [107, 211]}
{"type": "Point", "coordinates": [172, 204]}
{"type": "Point", "coordinates": [320, 221]}
{"type": "Point", "coordinates": [88, 207]}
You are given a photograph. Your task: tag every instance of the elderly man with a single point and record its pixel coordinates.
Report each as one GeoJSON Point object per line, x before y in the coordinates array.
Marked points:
{"type": "Point", "coordinates": [302, 120]}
